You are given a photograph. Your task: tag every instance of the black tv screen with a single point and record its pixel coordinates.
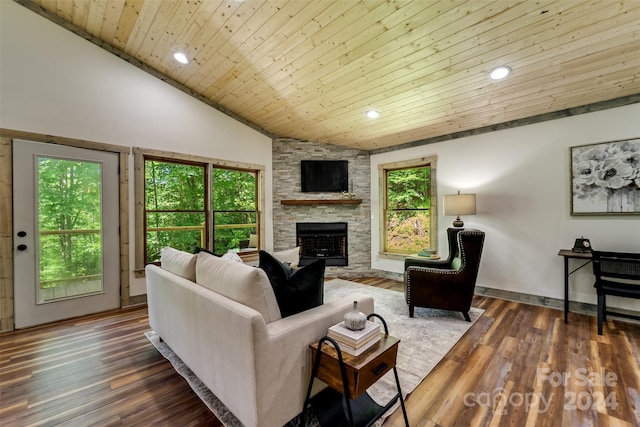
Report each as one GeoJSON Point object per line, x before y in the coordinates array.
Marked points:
{"type": "Point", "coordinates": [324, 175]}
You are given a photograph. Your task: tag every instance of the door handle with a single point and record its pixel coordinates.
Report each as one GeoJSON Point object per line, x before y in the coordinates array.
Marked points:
{"type": "Point", "coordinates": [22, 247]}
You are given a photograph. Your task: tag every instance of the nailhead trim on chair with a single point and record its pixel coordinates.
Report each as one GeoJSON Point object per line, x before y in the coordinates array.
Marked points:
{"type": "Point", "coordinates": [463, 255]}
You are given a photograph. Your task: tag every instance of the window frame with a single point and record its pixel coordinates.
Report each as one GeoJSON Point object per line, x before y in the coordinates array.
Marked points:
{"type": "Point", "coordinates": [205, 210]}
{"type": "Point", "coordinates": [257, 205]}
{"type": "Point", "coordinates": [142, 154]}
{"type": "Point", "coordinates": [383, 170]}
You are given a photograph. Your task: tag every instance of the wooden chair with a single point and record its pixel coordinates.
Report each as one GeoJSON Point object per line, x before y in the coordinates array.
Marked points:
{"type": "Point", "coordinates": [615, 274]}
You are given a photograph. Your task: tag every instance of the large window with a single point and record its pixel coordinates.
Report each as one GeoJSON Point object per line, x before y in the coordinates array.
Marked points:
{"type": "Point", "coordinates": [186, 202]}
{"type": "Point", "coordinates": [235, 210]}
{"type": "Point", "coordinates": [408, 195]}
{"type": "Point", "coordinates": [175, 201]}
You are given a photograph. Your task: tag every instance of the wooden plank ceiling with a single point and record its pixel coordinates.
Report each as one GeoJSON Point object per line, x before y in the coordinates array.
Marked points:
{"type": "Point", "coordinates": [310, 69]}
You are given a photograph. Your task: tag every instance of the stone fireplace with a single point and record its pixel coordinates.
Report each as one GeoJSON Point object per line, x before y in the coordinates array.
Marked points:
{"type": "Point", "coordinates": [322, 207]}
{"type": "Point", "coordinates": [322, 240]}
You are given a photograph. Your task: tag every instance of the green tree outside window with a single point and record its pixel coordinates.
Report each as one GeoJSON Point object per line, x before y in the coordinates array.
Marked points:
{"type": "Point", "coordinates": [235, 209]}
{"type": "Point", "coordinates": [407, 209]}
{"type": "Point", "coordinates": [175, 201]}
{"type": "Point", "coordinates": [177, 212]}
{"type": "Point", "coordinates": [69, 220]}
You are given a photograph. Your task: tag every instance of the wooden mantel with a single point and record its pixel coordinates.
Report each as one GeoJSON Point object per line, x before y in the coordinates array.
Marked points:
{"type": "Point", "coordinates": [321, 202]}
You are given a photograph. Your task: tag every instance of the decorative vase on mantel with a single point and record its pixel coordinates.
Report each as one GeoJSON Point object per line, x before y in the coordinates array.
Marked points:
{"type": "Point", "coordinates": [355, 319]}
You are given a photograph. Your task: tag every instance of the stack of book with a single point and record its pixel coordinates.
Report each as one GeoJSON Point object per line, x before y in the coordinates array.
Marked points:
{"type": "Point", "coordinates": [355, 342]}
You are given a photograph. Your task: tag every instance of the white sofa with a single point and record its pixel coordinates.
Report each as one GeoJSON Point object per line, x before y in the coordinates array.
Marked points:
{"type": "Point", "coordinates": [221, 318]}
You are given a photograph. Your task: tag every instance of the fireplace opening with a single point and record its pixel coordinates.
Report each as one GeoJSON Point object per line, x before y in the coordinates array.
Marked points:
{"type": "Point", "coordinates": [326, 240]}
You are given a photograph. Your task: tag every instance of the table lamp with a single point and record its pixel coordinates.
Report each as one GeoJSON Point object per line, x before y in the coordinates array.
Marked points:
{"type": "Point", "coordinates": [459, 204]}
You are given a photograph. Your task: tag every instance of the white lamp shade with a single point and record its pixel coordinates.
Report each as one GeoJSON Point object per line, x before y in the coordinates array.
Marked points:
{"type": "Point", "coordinates": [460, 204]}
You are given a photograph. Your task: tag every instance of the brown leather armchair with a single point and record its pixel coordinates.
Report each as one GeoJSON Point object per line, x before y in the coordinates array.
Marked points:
{"type": "Point", "coordinates": [446, 284]}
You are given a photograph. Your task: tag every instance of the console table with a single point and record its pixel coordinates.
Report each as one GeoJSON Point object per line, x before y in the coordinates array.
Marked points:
{"type": "Point", "coordinates": [336, 369]}
{"type": "Point", "coordinates": [570, 254]}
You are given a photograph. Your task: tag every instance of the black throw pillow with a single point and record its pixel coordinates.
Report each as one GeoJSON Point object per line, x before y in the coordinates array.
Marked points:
{"type": "Point", "coordinates": [298, 289]}
{"type": "Point", "coordinates": [199, 249]}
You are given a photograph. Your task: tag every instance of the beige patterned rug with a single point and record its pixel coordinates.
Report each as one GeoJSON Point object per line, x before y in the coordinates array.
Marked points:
{"type": "Point", "coordinates": [424, 340]}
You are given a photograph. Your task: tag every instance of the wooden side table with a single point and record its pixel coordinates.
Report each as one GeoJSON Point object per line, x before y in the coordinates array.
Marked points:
{"type": "Point", "coordinates": [346, 402]}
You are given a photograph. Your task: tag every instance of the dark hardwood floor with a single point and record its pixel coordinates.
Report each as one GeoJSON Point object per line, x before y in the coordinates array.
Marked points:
{"type": "Point", "coordinates": [518, 365]}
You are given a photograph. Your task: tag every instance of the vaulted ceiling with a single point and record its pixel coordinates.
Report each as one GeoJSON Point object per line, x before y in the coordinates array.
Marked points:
{"type": "Point", "coordinates": [310, 69]}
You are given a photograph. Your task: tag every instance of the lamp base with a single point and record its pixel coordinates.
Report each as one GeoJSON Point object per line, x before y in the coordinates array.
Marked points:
{"type": "Point", "coordinates": [458, 222]}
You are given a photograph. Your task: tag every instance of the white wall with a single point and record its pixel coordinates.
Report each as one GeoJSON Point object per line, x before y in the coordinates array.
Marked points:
{"type": "Point", "coordinates": [522, 180]}
{"type": "Point", "coordinates": [56, 83]}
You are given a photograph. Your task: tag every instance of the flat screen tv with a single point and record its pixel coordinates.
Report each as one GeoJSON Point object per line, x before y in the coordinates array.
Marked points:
{"type": "Point", "coordinates": [324, 175]}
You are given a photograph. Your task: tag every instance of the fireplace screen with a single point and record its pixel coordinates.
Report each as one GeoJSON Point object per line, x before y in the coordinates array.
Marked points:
{"type": "Point", "coordinates": [326, 240]}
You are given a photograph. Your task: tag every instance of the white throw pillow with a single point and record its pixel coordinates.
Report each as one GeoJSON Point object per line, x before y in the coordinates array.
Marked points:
{"type": "Point", "coordinates": [179, 263]}
{"type": "Point", "coordinates": [291, 256]}
{"type": "Point", "coordinates": [240, 282]}
{"type": "Point", "coordinates": [232, 256]}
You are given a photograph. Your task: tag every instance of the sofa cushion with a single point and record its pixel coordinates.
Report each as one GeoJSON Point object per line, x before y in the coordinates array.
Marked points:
{"type": "Point", "coordinates": [292, 256]}
{"type": "Point", "coordinates": [232, 256]}
{"type": "Point", "coordinates": [180, 263]}
{"type": "Point", "coordinates": [296, 290]}
{"type": "Point", "coordinates": [239, 282]}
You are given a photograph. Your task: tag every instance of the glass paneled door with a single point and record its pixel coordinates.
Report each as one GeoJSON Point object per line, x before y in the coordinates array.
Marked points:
{"type": "Point", "coordinates": [66, 242]}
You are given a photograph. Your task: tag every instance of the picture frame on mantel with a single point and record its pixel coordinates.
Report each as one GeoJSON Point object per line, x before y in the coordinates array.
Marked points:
{"type": "Point", "coordinates": [605, 178]}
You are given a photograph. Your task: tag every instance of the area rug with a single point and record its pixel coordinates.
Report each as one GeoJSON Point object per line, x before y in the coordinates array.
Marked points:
{"type": "Point", "coordinates": [424, 340]}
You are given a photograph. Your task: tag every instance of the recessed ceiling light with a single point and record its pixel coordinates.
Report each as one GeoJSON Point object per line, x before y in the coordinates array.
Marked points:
{"type": "Point", "coordinates": [373, 114]}
{"type": "Point", "coordinates": [499, 73]}
{"type": "Point", "coordinates": [181, 57]}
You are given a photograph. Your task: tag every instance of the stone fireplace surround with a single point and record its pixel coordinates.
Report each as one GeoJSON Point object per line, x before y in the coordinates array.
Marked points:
{"type": "Point", "coordinates": [287, 154]}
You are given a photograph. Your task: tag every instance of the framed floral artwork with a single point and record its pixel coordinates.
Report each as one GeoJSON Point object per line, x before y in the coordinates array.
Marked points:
{"type": "Point", "coordinates": [605, 178]}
